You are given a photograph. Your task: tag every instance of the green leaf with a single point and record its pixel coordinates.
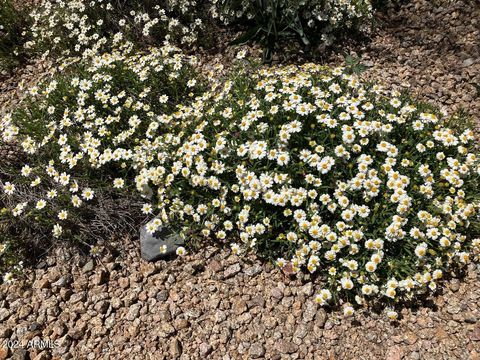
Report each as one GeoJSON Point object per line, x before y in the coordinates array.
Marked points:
{"type": "Point", "coordinates": [247, 36]}
{"type": "Point", "coordinates": [298, 28]}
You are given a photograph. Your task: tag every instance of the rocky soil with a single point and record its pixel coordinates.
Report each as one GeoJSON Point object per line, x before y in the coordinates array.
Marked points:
{"type": "Point", "coordinates": [12, 89]}
{"type": "Point", "coordinates": [212, 305]}
{"type": "Point", "coordinates": [432, 48]}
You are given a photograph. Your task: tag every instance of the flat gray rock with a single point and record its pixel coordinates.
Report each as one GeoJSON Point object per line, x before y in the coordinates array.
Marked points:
{"type": "Point", "coordinates": [88, 267]}
{"type": "Point", "coordinates": [150, 243]}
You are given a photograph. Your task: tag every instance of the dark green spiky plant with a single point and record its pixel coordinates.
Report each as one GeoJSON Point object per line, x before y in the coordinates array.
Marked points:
{"type": "Point", "coordinates": [309, 21]}
{"type": "Point", "coordinates": [273, 20]}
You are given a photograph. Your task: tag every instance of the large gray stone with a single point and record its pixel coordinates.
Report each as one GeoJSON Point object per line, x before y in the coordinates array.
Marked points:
{"type": "Point", "coordinates": [150, 243]}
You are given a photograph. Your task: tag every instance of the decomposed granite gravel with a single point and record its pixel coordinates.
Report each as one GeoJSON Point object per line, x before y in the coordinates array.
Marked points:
{"type": "Point", "coordinates": [212, 305]}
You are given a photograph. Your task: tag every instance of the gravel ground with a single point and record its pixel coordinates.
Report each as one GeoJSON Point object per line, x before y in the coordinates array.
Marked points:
{"type": "Point", "coordinates": [216, 306]}
{"type": "Point", "coordinates": [211, 305]}
{"type": "Point", "coordinates": [431, 47]}
{"type": "Point", "coordinates": [12, 89]}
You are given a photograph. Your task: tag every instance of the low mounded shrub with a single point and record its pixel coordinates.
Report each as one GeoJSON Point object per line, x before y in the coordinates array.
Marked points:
{"type": "Point", "coordinates": [375, 194]}
{"type": "Point", "coordinates": [85, 27]}
{"type": "Point", "coordinates": [72, 145]}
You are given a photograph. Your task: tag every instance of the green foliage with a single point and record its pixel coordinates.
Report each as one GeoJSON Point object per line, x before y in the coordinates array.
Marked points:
{"type": "Point", "coordinates": [84, 27]}
{"type": "Point", "coordinates": [273, 20]}
{"type": "Point", "coordinates": [72, 142]}
{"type": "Point", "coordinates": [13, 24]}
{"type": "Point", "coordinates": [311, 21]}
{"type": "Point", "coordinates": [297, 150]}
{"type": "Point", "coordinates": [354, 65]}
{"type": "Point", "coordinates": [303, 165]}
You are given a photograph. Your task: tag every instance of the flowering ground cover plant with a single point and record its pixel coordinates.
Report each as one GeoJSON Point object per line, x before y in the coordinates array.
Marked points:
{"type": "Point", "coordinates": [306, 166]}
{"type": "Point", "coordinates": [84, 27]}
{"type": "Point", "coordinates": [81, 27]}
{"type": "Point", "coordinates": [78, 132]}
{"type": "Point", "coordinates": [310, 167]}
